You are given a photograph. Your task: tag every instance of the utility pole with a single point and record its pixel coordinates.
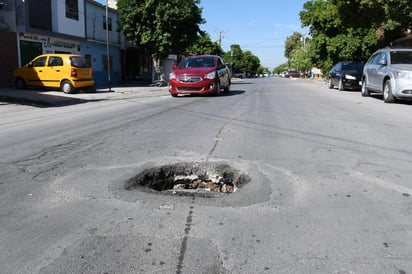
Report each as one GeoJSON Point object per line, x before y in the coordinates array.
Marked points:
{"type": "Point", "coordinates": [107, 47]}
{"type": "Point", "coordinates": [220, 37]}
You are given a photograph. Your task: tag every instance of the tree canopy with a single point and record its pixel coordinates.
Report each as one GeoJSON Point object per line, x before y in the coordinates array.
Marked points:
{"type": "Point", "coordinates": [204, 45]}
{"type": "Point", "coordinates": [241, 61]}
{"type": "Point", "coordinates": [160, 27]}
{"type": "Point", "coordinates": [163, 27]}
{"type": "Point", "coordinates": [352, 29]}
{"type": "Point", "coordinates": [292, 42]}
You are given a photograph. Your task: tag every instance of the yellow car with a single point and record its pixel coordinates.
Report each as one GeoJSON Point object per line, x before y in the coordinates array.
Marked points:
{"type": "Point", "coordinates": [66, 72]}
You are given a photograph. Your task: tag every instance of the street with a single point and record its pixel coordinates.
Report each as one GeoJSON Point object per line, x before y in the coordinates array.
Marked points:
{"type": "Point", "coordinates": [329, 187]}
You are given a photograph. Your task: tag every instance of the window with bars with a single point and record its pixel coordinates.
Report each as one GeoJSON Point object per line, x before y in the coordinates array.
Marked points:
{"type": "Point", "coordinates": [72, 9]}
{"type": "Point", "coordinates": [108, 23]}
{"type": "Point", "coordinates": [105, 64]}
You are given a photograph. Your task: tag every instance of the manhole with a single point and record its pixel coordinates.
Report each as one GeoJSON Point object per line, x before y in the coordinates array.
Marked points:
{"type": "Point", "coordinates": [190, 178]}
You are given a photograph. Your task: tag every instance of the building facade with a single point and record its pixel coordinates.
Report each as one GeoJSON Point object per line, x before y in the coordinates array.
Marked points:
{"type": "Point", "coordinates": [8, 46]}
{"type": "Point", "coordinates": [29, 28]}
{"type": "Point", "coordinates": [102, 40]}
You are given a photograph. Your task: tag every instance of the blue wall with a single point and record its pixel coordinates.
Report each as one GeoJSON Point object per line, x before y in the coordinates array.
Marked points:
{"type": "Point", "coordinates": [97, 51]}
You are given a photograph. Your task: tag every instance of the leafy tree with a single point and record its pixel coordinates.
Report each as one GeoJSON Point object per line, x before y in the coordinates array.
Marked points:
{"type": "Point", "coordinates": [241, 61]}
{"type": "Point", "coordinates": [280, 68]}
{"type": "Point", "coordinates": [234, 58]}
{"type": "Point", "coordinates": [387, 19]}
{"type": "Point", "coordinates": [352, 29]}
{"type": "Point", "coordinates": [251, 62]}
{"type": "Point", "coordinates": [292, 42]}
{"type": "Point", "coordinates": [299, 60]}
{"type": "Point", "coordinates": [204, 45]}
{"type": "Point", "coordinates": [160, 27]}
{"type": "Point", "coordinates": [324, 23]}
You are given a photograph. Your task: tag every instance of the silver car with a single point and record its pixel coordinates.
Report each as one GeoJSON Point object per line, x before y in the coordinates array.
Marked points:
{"type": "Point", "coordinates": [389, 72]}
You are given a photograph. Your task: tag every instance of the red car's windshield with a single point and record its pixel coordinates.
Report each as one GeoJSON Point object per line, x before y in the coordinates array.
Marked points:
{"type": "Point", "coordinates": [198, 62]}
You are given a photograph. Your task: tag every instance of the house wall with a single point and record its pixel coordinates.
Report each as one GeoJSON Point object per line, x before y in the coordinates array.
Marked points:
{"type": "Point", "coordinates": [96, 43]}
{"type": "Point", "coordinates": [97, 53]}
{"type": "Point", "coordinates": [9, 59]}
{"type": "Point", "coordinates": [30, 28]}
{"type": "Point", "coordinates": [95, 19]}
{"type": "Point", "coordinates": [8, 45]}
{"type": "Point", "coordinates": [63, 25]}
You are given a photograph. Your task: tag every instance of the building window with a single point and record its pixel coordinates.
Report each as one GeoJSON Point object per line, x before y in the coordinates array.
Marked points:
{"type": "Point", "coordinates": [72, 9]}
{"type": "Point", "coordinates": [109, 23]}
{"type": "Point", "coordinates": [40, 14]}
{"type": "Point", "coordinates": [104, 62]}
{"type": "Point", "coordinates": [88, 59]}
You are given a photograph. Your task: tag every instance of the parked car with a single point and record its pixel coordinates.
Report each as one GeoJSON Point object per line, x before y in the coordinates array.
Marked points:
{"type": "Point", "coordinates": [345, 75]}
{"type": "Point", "coordinates": [66, 72]}
{"type": "Point", "coordinates": [240, 75]}
{"type": "Point", "coordinates": [203, 74]}
{"type": "Point", "coordinates": [292, 74]}
{"type": "Point", "coordinates": [389, 72]}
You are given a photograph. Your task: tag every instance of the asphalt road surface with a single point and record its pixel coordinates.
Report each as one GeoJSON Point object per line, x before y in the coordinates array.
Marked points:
{"type": "Point", "coordinates": [328, 183]}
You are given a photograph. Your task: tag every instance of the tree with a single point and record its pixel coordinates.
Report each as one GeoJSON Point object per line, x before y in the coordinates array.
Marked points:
{"type": "Point", "coordinates": [387, 19]}
{"type": "Point", "coordinates": [353, 29]}
{"type": "Point", "coordinates": [292, 42]}
{"type": "Point", "coordinates": [160, 27]}
{"type": "Point", "coordinates": [204, 45]}
{"type": "Point", "coordinates": [299, 60]}
{"type": "Point", "coordinates": [251, 62]}
{"type": "Point", "coordinates": [281, 68]}
{"type": "Point", "coordinates": [234, 58]}
{"type": "Point", "coordinates": [241, 61]}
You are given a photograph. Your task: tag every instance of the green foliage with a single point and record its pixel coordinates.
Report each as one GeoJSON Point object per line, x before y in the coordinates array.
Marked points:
{"type": "Point", "coordinates": [296, 50]}
{"type": "Point", "coordinates": [299, 60]}
{"type": "Point", "coordinates": [250, 62]}
{"type": "Point", "coordinates": [292, 42]}
{"type": "Point", "coordinates": [204, 45]}
{"type": "Point", "coordinates": [160, 27]}
{"type": "Point", "coordinates": [352, 29]}
{"type": "Point", "coordinates": [240, 61]}
{"type": "Point", "coordinates": [280, 68]}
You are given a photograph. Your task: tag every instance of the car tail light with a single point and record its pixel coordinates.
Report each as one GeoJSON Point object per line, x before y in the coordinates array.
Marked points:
{"type": "Point", "coordinates": [73, 72]}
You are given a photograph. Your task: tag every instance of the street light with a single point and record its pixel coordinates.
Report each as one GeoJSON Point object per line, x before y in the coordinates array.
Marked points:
{"type": "Point", "coordinates": [107, 46]}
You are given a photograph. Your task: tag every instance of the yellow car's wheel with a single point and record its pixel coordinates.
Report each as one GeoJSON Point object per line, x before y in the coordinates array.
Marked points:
{"type": "Point", "coordinates": [66, 86]}
{"type": "Point", "coordinates": [20, 84]}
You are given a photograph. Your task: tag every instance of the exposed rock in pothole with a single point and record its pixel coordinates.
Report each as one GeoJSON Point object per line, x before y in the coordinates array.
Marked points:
{"type": "Point", "coordinates": [189, 178]}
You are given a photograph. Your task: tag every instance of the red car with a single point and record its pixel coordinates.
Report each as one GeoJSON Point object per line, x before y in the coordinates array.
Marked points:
{"type": "Point", "coordinates": [292, 74]}
{"type": "Point", "coordinates": [203, 74]}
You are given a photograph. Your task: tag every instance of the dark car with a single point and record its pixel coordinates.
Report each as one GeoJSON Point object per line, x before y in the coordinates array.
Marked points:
{"type": "Point", "coordinates": [204, 74]}
{"type": "Point", "coordinates": [346, 75]}
{"type": "Point", "coordinates": [292, 74]}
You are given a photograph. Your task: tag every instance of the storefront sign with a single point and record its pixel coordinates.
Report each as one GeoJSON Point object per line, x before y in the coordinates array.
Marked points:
{"type": "Point", "coordinates": [52, 44]}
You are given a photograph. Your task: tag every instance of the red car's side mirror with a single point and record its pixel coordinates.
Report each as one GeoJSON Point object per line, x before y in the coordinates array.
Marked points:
{"type": "Point", "coordinates": [174, 67]}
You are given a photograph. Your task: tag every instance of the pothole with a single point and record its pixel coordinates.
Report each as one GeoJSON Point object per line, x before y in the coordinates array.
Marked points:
{"type": "Point", "coordinates": [190, 178]}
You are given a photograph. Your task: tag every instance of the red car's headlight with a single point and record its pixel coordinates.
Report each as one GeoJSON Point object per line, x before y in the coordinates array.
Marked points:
{"type": "Point", "coordinates": [210, 75]}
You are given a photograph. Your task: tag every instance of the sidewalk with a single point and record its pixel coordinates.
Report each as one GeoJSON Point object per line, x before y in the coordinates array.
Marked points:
{"type": "Point", "coordinates": [48, 98]}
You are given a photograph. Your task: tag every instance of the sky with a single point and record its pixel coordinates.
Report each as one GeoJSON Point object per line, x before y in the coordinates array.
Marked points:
{"type": "Point", "coordinates": [260, 26]}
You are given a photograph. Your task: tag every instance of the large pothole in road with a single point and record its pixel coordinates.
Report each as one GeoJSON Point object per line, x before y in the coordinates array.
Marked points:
{"type": "Point", "coordinates": [190, 179]}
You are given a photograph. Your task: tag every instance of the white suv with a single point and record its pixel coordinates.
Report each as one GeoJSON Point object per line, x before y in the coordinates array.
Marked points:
{"type": "Point", "coordinates": [389, 72]}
